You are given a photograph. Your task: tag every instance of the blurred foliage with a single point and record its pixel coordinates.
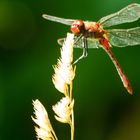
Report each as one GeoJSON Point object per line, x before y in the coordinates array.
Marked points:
{"type": "Point", "coordinates": [28, 49]}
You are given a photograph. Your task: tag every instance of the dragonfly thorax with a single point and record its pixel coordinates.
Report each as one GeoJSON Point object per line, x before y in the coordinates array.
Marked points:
{"type": "Point", "coordinates": [94, 30]}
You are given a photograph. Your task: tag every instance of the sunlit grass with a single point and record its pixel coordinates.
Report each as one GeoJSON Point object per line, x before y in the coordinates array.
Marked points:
{"type": "Point", "coordinates": [63, 82]}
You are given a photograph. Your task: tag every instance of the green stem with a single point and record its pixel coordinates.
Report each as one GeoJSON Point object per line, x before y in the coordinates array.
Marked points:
{"type": "Point", "coordinates": [72, 115]}
{"type": "Point", "coordinates": [72, 126]}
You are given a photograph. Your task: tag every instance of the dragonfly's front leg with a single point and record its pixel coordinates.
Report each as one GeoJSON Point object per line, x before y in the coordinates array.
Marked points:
{"type": "Point", "coordinates": [85, 50]}
{"type": "Point", "coordinates": [107, 47]}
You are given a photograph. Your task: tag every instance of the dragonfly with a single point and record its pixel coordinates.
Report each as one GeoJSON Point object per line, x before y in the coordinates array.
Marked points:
{"type": "Point", "coordinates": [90, 34]}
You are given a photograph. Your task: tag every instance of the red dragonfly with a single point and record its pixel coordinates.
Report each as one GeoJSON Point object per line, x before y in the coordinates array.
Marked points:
{"type": "Point", "coordinates": [89, 34]}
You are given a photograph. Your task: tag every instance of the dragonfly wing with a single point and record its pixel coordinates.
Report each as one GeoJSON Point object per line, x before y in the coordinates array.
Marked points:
{"type": "Point", "coordinates": [125, 37]}
{"type": "Point", "coordinates": [60, 41]}
{"type": "Point", "coordinates": [130, 13]}
{"type": "Point", "coordinates": [92, 43]}
{"type": "Point", "coordinates": [58, 19]}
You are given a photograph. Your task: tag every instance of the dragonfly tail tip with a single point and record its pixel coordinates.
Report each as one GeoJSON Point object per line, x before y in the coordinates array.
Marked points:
{"type": "Point", "coordinates": [130, 90]}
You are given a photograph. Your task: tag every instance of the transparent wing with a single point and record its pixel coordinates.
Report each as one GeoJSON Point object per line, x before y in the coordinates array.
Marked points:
{"type": "Point", "coordinates": [76, 45]}
{"type": "Point", "coordinates": [125, 37]}
{"type": "Point", "coordinates": [58, 19]}
{"type": "Point", "coordinates": [130, 13]}
{"type": "Point", "coordinates": [92, 43]}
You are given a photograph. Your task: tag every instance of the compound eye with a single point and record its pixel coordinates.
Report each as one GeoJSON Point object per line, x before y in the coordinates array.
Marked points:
{"type": "Point", "coordinates": [77, 26]}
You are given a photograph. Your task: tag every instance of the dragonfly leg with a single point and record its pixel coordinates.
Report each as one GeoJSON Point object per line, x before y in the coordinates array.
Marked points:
{"type": "Point", "coordinates": [85, 51]}
{"type": "Point", "coordinates": [78, 38]}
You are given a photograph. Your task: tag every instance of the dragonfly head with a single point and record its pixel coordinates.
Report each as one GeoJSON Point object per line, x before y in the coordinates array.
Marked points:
{"type": "Point", "coordinates": [78, 27]}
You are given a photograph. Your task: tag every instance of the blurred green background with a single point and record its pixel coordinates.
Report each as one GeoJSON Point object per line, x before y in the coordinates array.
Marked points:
{"type": "Point", "coordinates": [28, 49]}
